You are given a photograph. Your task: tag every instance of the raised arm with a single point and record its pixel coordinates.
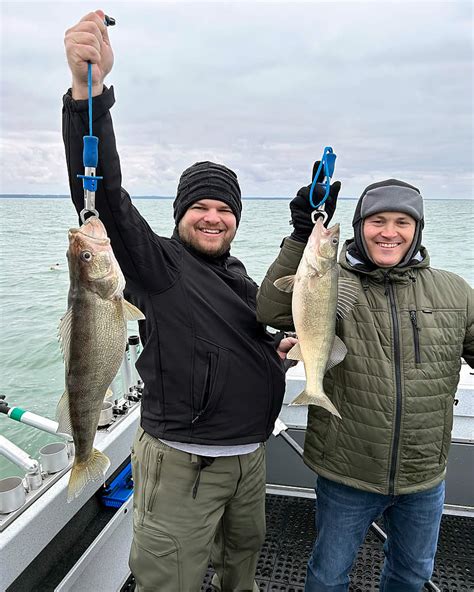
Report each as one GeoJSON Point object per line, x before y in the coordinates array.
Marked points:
{"type": "Point", "coordinates": [146, 260]}
{"type": "Point", "coordinates": [273, 305]}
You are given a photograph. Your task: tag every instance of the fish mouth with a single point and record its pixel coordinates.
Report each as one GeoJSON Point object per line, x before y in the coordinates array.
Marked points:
{"type": "Point", "coordinates": [92, 229]}
{"type": "Point", "coordinates": [321, 233]}
{"type": "Point", "coordinates": [333, 230]}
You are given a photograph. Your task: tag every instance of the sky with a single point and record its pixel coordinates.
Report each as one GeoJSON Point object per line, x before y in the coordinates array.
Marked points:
{"type": "Point", "coordinates": [262, 87]}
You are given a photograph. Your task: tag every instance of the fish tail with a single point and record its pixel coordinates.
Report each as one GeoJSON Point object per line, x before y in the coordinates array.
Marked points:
{"type": "Point", "coordinates": [93, 469]}
{"type": "Point", "coordinates": [322, 400]}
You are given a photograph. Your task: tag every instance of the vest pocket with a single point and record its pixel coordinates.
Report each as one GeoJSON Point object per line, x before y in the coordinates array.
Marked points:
{"type": "Point", "coordinates": [416, 336]}
{"type": "Point", "coordinates": [331, 436]}
{"type": "Point", "coordinates": [448, 426]}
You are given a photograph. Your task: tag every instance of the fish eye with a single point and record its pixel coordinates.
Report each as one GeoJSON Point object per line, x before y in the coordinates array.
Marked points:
{"type": "Point", "coordinates": [86, 256]}
{"type": "Point", "coordinates": [334, 241]}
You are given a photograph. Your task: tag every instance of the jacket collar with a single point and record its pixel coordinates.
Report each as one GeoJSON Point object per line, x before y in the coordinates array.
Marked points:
{"type": "Point", "coordinates": [350, 259]}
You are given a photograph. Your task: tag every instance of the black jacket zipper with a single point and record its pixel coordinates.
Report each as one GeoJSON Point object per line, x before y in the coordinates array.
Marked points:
{"type": "Point", "coordinates": [398, 386]}
{"type": "Point", "coordinates": [416, 336]}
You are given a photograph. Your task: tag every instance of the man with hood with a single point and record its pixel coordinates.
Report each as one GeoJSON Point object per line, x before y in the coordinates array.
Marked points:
{"type": "Point", "coordinates": [394, 390]}
{"type": "Point", "coordinates": [214, 378]}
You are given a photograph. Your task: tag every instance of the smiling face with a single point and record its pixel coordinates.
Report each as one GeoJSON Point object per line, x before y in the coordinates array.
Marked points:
{"type": "Point", "coordinates": [209, 226]}
{"type": "Point", "coordinates": [388, 236]}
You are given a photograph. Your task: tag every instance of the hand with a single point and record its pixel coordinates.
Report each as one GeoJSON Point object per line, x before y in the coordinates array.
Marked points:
{"type": "Point", "coordinates": [88, 41]}
{"type": "Point", "coordinates": [285, 345]}
{"type": "Point", "coordinates": [301, 208]}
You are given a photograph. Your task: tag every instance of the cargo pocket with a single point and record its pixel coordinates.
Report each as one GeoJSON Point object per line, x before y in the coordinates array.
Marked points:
{"type": "Point", "coordinates": [210, 374]}
{"type": "Point", "coordinates": [147, 457]}
{"type": "Point", "coordinates": [155, 561]}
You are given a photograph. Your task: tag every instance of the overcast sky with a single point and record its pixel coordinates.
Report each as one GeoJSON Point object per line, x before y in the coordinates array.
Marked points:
{"type": "Point", "coordinates": [261, 87]}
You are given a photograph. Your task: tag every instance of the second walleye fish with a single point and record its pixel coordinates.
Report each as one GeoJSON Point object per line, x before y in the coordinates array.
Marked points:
{"type": "Point", "coordinates": [93, 336]}
{"type": "Point", "coordinates": [316, 289]}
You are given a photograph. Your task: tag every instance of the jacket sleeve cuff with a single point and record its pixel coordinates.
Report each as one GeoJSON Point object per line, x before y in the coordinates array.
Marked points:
{"type": "Point", "coordinates": [293, 246]}
{"type": "Point", "coordinates": [101, 104]}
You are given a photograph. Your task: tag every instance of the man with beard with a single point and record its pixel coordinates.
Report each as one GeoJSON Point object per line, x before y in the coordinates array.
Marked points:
{"type": "Point", "coordinates": [214, 378]}
{"type": "Point", "coordinates": [394, 390]}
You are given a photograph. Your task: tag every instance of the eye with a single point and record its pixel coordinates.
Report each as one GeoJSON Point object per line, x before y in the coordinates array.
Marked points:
{"type": "Point", "coordinates": [86, 256]}
{"type": "Point", "coordinates": [334, 241]}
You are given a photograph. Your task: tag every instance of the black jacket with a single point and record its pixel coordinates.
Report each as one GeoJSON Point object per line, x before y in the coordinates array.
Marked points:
{"type": "Point", "coordinates": [211, 372]}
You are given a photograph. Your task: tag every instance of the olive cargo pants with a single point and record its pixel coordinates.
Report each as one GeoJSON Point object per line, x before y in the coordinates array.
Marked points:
{"type": "Point", "coordinates": [175, 533]}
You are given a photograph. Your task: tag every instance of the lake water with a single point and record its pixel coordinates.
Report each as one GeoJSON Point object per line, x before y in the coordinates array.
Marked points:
{"type": "Point", "coordinates": [33, 238]}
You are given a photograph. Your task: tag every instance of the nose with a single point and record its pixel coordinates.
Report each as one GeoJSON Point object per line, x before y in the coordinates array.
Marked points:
{"type": "Point", "coordinates": [389, 230]}
{"type": "Point", "coordinates": [212, 216]}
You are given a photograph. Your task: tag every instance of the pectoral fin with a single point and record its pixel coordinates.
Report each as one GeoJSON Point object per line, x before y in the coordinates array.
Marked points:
{"type": "Point", "coordinates": [131, 312]}
{"type": "Point", "coordinates": [338, 353]}
{"type": "Point", "coordinates": [285, 283]}
{"type": "Point", "coordinates": [295, 353]}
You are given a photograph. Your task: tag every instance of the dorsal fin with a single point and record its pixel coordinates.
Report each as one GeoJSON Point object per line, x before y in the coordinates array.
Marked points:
{"type": "Point", "coordinates": [64, 334]}
{"type": "Point", "coordinates": [347, 296]}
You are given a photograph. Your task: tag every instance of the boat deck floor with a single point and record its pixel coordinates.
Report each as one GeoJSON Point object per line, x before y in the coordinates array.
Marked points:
{"type": "Point", "coordinates": [290, 536]}
{"type": "Point", "coordinates": [291, 532]}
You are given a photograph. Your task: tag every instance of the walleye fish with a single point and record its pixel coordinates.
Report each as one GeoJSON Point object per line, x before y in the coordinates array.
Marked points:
{"type": "Point", "coordinates": [93, 336]}
{"type": "Point", "coordinates": [318, 296]}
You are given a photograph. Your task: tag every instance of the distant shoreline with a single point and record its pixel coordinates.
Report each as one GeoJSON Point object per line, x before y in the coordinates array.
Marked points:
{"type": "Point", "coordinates": [166, 197]}
{"type": "Point", "coordinates": [36, 196]}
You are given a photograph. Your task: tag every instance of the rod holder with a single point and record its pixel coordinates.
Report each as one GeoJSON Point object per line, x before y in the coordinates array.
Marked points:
{"type": "Point", "coordinates": [17, 455]}
{"type": "Point", "coordinates": [36, 421]}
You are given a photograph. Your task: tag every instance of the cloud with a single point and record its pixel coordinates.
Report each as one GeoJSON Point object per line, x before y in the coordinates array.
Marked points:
{"type": "Point", "coordinates": [260, 86]}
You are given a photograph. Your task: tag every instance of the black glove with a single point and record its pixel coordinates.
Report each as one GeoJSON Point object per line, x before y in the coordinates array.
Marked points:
{"type": "Point", "coordinates": [301, 208]}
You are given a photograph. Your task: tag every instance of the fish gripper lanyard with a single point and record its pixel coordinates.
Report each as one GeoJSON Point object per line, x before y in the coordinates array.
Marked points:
{"type": "Point", "coordinates": [328, 161]}
{"type": "Point", "coordinates": [90, 155]}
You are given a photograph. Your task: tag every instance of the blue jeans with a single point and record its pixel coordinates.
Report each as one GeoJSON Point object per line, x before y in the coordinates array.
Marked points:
{"type": "Point", "coordinates": [343, 517]}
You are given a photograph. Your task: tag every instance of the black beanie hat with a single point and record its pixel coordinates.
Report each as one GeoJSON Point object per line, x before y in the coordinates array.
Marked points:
{"type": "Point", "coordinates": [384, 196]}
{"type": "Point", "coordinates": [207, 180]}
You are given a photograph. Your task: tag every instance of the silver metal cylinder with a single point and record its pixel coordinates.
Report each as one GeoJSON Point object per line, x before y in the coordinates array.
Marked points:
{"type": "Point", "coordinates": [134, 348]}
{"type": "Point", "coordinates": [12, 494]}
{"type": "Point", "coordinates": [54, 457]}
{"type": "Point", "coordinates": [34, 480]}
{"type": "Point", "coordinates": [106, 414]}
{"type": "Point", "coordinates": [117, 391]}
{"type": "Point", "coordinates": [126, 372]}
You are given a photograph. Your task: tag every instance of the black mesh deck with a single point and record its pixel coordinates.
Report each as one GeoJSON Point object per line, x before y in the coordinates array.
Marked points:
{"type": "Point", "coordinates": [289, 540]}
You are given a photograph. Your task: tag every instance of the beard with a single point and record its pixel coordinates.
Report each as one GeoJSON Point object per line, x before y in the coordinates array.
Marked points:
{"type": "Point", "coordinates": [217, 250]}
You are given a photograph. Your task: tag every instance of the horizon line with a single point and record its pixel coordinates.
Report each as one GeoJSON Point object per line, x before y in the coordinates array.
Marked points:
{"type": "Point", "coordinates": [249, 197]}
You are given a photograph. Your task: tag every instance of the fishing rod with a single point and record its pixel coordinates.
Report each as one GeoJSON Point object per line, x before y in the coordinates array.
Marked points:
{"type": "Point", "coordinates": [90, 155]}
